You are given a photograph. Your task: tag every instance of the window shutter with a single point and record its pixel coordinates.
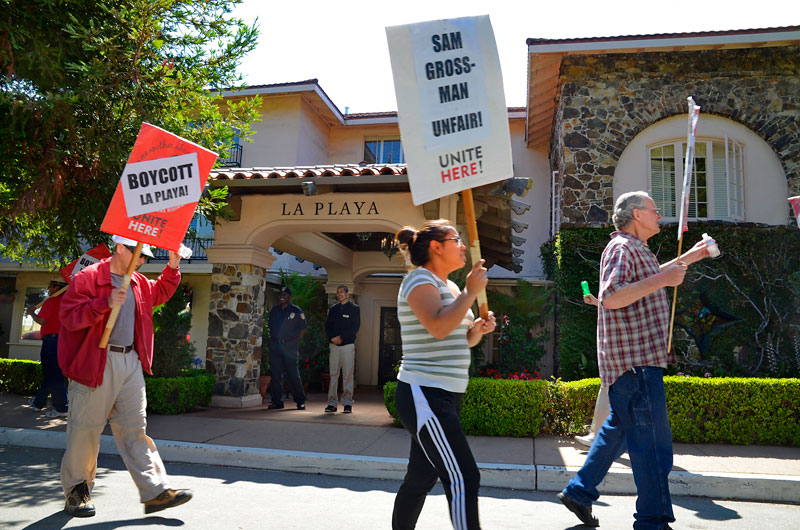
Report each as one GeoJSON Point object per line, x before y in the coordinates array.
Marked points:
{"type": "Point", "coordinates": [721, 183]}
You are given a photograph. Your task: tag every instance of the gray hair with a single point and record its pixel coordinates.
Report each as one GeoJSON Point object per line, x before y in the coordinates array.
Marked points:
{"type": "Point", "coordinates": [626, 204]}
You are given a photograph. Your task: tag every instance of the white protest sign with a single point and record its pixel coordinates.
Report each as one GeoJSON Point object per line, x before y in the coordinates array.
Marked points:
{"type": "Point", "coordinates": [159, 184]}
{"type": "Point", "coordinates": [83, 262]}
{"type": "Point", "coordinates": [451, 105]}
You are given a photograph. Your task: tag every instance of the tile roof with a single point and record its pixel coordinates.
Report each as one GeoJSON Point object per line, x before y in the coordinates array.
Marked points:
{"type": "Point", "coordinates": [328, 170]}
{"type": "Point", "coordinates": [534, 41]}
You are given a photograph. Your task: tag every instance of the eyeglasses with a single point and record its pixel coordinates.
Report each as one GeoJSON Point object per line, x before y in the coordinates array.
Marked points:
{"type": "Point", "coordinates": [658, 212]}
{"type": "Point", "coordinates": [458, 240]}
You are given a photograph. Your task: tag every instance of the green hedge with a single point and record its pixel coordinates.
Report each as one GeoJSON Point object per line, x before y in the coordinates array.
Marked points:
{"type": "Point", "coordinates": [736, 411]}
{"type": "Point", "coordinates": [494, 407]}
{"type": "Point", "coordinates": [757, 279]}
{"type": "Point", "coordinates": [18, 376]}
{"type": "Point", "coordinates": [731, 410]}
{"type": "Point", "coordinates": [174, 395]}
{"type": "Point", "coordinates": [165, 395]}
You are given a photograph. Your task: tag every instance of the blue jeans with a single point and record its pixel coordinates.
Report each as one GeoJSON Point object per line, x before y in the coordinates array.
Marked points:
{"type": "Point", "coordinates": [52, 378]}
{"type": "Point", "coordinates": [638, 422]}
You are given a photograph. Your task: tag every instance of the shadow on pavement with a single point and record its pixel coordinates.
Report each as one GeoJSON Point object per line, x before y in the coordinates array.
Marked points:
{"type": "Point", "coordinates": [60, 519]}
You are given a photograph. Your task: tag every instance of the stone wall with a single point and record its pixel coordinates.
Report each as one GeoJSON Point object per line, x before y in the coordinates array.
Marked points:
{"type": "Point", "coordinates": [234, 328]}
{"type": "Point", "coordinates": [604, 101]}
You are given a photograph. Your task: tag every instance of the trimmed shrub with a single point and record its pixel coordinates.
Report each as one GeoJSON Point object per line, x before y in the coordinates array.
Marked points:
{"type": "Point", "coordinates": [19, 376]}
{"type": "Point", "coordinates": [174, 395]}
{"type": "Point", "coordinates": [494, 407]}
{"type": "Point", "coordinates": [738, 411]}
{"type": "Point", "coordinates": [570, 406]}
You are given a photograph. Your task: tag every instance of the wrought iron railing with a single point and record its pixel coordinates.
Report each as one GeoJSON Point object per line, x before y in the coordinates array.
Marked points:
{"type": "Point", "coordinates": [234, 157]}
{"type": "Point", "coordinates": [198, 246]}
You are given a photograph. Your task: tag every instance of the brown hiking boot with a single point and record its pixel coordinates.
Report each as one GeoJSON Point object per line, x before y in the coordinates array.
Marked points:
{"type": "Point", "coordinates": [79, 501]}
{"type": "Point", "coordinates": [167, 499]}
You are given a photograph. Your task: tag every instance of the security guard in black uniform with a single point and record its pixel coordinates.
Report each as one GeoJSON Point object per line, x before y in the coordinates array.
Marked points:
{"type": "Point", "coordinates": [287, 324]}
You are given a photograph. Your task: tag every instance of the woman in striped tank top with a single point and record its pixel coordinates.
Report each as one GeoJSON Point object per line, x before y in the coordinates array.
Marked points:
{"type": "Point", "coordinates": [437, 329]}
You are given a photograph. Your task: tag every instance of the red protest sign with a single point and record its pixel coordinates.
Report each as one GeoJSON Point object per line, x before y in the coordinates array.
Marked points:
{"type": "Point", "coordinates": [93, 255]}
{"type": "Point", "coordinates": [159, 189]}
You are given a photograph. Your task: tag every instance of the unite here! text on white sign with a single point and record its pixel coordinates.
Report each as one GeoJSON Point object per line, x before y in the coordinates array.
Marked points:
{"type": "Point", "coordinates": [155, 185]}
{"type": "Point", "coordinates": [451, 106]}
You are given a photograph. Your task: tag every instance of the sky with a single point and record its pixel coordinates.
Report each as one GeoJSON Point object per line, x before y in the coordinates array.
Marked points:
{"type": "Point", "coordinates": [343, 44]}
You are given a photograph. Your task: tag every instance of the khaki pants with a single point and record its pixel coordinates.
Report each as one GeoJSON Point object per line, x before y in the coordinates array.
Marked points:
{"type": "Point", "coordinates": [121, 401]}
{"type": "Point", "coordinates": [342, 358]}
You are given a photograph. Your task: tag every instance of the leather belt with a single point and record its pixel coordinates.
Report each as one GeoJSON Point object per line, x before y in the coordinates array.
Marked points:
{"type": "Point", "coordinates": [119, 349]}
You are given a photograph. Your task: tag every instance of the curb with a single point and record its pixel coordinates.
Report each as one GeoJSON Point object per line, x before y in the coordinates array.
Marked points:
{"type": "Point", "coordinates": [738, 486]}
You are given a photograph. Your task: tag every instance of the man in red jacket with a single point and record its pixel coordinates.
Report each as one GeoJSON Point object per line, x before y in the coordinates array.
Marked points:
{"type": "Point", "coordinates": [107, 384]}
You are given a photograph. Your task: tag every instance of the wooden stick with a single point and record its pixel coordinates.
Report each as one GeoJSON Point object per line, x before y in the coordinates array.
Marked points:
{"type": "Point", "coordinates": [474, 246]}
{"type": "Point", "coordinates": [126, 281]}
{"type": "Point", "coordinates": [674, 301]}
{"type": "Point", "coordinates": [60, 291]}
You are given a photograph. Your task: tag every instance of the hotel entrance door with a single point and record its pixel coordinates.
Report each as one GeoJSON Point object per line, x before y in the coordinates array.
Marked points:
{"type": "Point", "coordinates": [390, 348]}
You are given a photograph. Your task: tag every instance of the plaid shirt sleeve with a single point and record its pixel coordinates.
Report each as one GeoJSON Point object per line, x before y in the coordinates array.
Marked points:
{"type": "Point", "coordinates": [615, 273]}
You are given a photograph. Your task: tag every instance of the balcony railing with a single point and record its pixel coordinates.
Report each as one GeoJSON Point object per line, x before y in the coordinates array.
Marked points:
{"type": "Point", "coordinates": [198, 246]}
{"type": "Point", "coordinates": [234, 157]}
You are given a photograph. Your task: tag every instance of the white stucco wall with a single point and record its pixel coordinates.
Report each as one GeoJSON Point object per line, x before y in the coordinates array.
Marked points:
{"type": "Point", "coordinates": [275, 142]}
{"type": "Point", "coordinates": [765, 187]}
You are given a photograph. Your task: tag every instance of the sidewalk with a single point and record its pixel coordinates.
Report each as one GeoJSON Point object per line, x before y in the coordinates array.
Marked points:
{"type": "Point", "coordinates": [366, 444]}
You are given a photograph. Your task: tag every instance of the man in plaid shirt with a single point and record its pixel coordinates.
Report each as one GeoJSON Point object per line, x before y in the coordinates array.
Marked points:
{"type": "Point", "coordinates": [632, 331]}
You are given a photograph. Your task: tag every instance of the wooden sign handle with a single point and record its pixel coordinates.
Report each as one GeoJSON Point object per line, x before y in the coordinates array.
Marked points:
{"type": "Point", "coordinates": [474, 245]}
{"type": "Point", "coordinates": [126, 281]}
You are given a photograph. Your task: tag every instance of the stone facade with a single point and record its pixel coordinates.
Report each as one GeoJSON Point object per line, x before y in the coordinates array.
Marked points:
{"type": "Point", "coordinates": [235, 327]}
{"type": "Point", "coordinates": [604, 101]}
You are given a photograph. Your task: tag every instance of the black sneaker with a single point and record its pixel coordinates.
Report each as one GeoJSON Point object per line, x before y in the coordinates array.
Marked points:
{"type": "Point", "coordinates": [348, 409]}
{"type": "Point", "coordinates": [301, 406]}
{"type": "Point", "coordinates": [273, 406]}
{"type": "Point", "coordinates": [584, 513]}
{"type": "Point", "coordinates": [167, 499]}
{"type": "Point", "coordinates": [79, 501]}
{"type": "Point", "coordinates": [330, 408]}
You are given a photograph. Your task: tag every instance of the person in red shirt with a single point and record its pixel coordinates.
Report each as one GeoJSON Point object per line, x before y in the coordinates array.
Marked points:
{"type": "Point", "coordinates": [52, 378]}
{"type": "Point", "coordinates": [107, 384]}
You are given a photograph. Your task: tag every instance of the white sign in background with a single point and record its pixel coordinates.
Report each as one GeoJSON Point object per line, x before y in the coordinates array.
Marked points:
{"type": "Point", "coordinates": [451, 105]}
{"type": "Point", "coordinates": [159, 184]}
{"type": "Point", "coordinates": [83, 262]}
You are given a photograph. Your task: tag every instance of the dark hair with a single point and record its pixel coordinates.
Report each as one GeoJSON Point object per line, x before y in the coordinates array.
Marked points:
{"type": "Point", "coordinates": [416, 243]}
{"type": "Point", "coordinates": [343, 287]}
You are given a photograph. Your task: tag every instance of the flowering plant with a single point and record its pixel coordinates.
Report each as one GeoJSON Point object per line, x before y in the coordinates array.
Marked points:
{"type": "Point", "coordinates": [522, 375]}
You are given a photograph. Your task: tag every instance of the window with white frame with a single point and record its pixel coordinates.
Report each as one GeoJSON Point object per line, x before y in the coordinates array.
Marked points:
{"type": "Point", "coordinates": [383, 150]}
{"type": "Point", "coordinates": [717, 180]}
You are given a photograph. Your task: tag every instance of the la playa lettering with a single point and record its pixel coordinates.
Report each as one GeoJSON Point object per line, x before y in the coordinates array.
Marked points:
{"type": "Point", "coordinates": [162, 175]}
{"type": "Point", "coordinates": [329, 208]}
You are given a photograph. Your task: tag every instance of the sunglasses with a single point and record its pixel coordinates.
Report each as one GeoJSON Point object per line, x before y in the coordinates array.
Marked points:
{"type": "Point", "coordinates": [133, 249]}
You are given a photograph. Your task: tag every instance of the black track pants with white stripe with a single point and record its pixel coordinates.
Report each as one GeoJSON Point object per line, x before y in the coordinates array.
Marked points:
{"type": "Point", "coordinates": [439, 449]}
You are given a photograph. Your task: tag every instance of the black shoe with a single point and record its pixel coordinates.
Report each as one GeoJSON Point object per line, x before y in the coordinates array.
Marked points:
{"type": "Point", "coordinates": [348, 409]}
{"type": "Point", "coordinates": [273, 406]}
{"type": "Point", "coordinates": [301, 406]}
{"type": "Point", "coordinates": [79, 501]}
{"type": "Point", "coordinates": [167, 499]}
{"type": "Point", "coordinates": [584, 513]}
{"type": "Point", "coordinates": [330, 408]}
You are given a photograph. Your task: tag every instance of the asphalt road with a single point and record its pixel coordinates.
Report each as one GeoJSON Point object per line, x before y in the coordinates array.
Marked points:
{"type": "Point", "coordinates": [235, 498]}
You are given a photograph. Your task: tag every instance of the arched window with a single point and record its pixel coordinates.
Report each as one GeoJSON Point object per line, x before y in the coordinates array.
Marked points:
{"type": "Point", "coordinates": [717, 190]}
{"type": "Point", "coordinates": [738, 177]}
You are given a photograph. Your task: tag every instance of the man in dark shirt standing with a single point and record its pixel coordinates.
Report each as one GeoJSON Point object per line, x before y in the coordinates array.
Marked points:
{"type": "Point", "coordinates": [344, 319]}
{"type": "Point", "coordinates": [287, 324]}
